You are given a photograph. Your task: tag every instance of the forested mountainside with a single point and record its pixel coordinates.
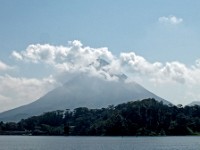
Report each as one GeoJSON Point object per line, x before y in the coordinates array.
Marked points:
{"type": "Point", "coordinates": [146, 117]}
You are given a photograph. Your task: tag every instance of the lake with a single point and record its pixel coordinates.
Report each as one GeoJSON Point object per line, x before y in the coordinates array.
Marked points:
{"type": "Point", "coordinates": [99, 143]}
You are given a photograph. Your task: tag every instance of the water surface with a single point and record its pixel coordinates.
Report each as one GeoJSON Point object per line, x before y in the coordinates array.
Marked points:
{"type": "Point", "coordinates": [99, 143]}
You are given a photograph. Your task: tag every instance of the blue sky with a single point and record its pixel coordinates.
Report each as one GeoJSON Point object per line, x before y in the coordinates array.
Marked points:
{"type": "Point", "coordinates": [165, 31]}
{"type": "Point", "coordinates": [119, 25]}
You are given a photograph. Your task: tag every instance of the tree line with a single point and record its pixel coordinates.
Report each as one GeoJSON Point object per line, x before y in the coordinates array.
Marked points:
{"type": "Point", "coordinates": [137, 118]}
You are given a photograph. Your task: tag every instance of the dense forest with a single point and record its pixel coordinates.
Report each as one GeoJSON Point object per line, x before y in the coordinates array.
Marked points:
{"type": "Point", "coordinates": [146, 117]}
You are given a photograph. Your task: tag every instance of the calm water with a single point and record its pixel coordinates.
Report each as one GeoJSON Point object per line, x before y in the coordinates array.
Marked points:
{"type": "Point", "coordinates": [98, 143]}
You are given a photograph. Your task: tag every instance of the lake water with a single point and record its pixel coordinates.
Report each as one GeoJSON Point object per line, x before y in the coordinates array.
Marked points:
{"type": "Point", "coordinates": [99, 143]}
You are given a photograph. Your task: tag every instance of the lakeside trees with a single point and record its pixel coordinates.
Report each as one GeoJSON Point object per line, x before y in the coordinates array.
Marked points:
{"type": "Point", "coordinates": [146, 117]}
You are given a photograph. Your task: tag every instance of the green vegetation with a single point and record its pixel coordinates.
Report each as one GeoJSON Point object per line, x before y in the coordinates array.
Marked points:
{"type": "Point", "coordinates": [146, 117]}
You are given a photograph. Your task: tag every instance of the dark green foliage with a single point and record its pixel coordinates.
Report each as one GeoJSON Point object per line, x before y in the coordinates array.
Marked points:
{"type": "Point", "coordinates": [146, 117]}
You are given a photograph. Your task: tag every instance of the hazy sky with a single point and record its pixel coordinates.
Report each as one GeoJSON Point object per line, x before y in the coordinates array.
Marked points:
{"type": "Point", "coordinates": [156, 43]}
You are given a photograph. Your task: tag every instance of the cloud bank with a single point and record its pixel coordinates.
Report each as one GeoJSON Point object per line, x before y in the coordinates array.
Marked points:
{"type": "Point", "coordinates": [76, 57]}
{"type": "Point", "coordinates": [164, 79]}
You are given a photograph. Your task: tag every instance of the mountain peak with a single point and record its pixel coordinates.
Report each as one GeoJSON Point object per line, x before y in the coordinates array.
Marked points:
{"type": "Point", "coordinates": [101, 64]}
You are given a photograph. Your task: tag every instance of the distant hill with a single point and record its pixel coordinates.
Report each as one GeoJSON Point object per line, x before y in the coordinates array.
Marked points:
{"type": "Point", "coordinates": [82, 91]}
{"type": "Point", "coordinates": [194, 103]}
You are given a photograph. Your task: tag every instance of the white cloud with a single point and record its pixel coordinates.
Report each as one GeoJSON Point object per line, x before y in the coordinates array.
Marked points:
{"type": "Point", "coordinates": [16, 55]}
{"type": "Point", "coordinates": [19, 91]}
{"type": "Point", "coordinates": [138, 64]}
{"type": "Point", "coordinates": [71, 58]}
{"type": "Point", "coordinates": [75, 58]}
{"type": "Point", "coordinates": [170, 20]}
{"type": "Point", "coordinates": [4, 67]}
{"type": "Point", "coordinates": [159, 72]}
{"type": "Point", "coordinates": [198, 63]}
